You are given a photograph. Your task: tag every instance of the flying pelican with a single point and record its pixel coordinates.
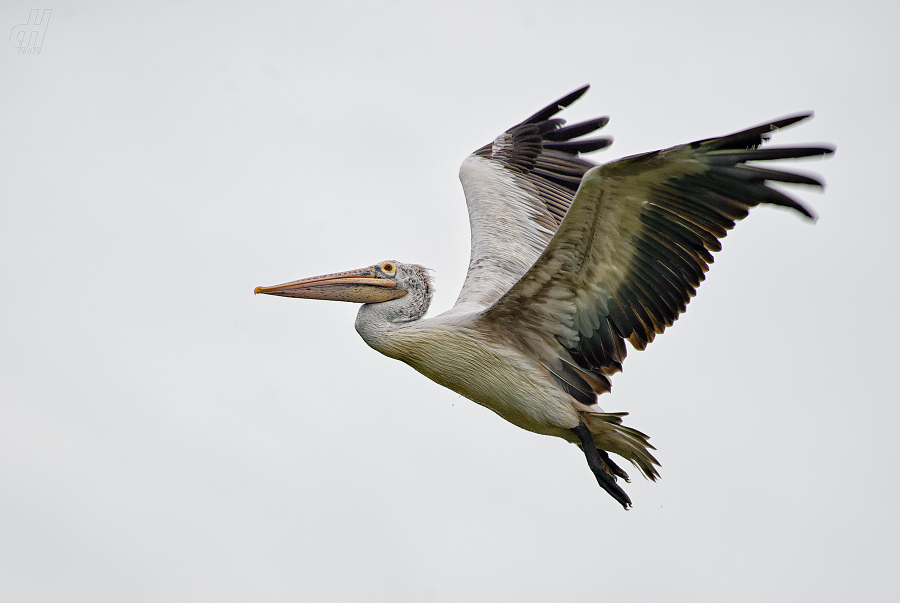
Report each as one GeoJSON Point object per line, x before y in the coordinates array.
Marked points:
{"type": "Point", "coordinates": [568, 260]}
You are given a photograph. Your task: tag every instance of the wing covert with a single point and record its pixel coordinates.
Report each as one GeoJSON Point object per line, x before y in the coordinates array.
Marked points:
{"type": "Point", "coordinates": [518, 189]}
{"type": "Point", "coordinates": [635, 245]}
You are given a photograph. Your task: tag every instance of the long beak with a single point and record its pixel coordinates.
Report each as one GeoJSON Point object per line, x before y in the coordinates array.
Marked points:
{"type": "Point", "coordinates": [363, 286]}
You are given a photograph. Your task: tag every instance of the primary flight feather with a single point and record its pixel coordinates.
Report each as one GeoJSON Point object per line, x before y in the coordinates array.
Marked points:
{"type": "Point", "coordinates": [568, 261]}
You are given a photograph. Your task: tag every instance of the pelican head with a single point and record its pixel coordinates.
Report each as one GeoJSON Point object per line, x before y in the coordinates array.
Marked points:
{"type": "Point", "coordinates": [370, 285]}
{"type": "Point", "coordinates": [382, 282]}
{"type": "Point", "coordinates": [393, 295]}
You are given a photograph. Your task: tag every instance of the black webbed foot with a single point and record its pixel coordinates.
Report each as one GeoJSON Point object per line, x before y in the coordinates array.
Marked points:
{"type": "Point", "coordinates": [613, 466]}
{"type": "Point", "coordinates": [604, 469]}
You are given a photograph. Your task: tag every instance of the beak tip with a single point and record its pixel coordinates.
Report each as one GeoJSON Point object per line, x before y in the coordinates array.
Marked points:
{"type": "Point", "coordinates": [257, 291]}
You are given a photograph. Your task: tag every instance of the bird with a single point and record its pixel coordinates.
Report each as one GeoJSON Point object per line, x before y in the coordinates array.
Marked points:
{"type": "Point", "coordinates": [568, 261]}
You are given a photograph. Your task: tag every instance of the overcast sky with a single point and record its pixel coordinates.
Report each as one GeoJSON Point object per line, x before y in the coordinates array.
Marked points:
{"type": "Point", "coordinates": [167, 436]}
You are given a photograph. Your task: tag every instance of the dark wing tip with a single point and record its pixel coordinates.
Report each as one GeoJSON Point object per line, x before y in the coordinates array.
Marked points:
{"type": "Point", "coordinates": [575, 147]}
{"type": "Point", "coordinates": [778, 124]}
{"type": "Point", "coordinates": [557, 106]}
{"type": "Point", "coordinates": [789, 120]}
{"type": "Point", "coordinates": [797, 206]}
{"type": "Point", "coordinates": [576, 130]}
{"type": "Point", "coordinates": [826, 149]}
{"type": "Point", "coordinates": [755, 136]}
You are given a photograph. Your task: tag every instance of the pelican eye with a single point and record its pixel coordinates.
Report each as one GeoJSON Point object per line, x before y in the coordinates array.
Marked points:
{"type": "Point", "coordinates": [387, 267]}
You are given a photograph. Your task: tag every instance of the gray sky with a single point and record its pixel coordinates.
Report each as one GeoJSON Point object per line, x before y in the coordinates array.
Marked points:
{"type": "Point", "coordinates": [166, 435]}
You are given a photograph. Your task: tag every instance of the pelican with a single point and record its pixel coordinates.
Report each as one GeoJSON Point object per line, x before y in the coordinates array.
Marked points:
{"type": "Point", "coordinates": [568, 261]}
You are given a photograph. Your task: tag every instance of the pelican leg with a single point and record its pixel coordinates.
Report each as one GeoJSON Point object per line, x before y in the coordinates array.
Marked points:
{"type": "Point", "coordinates": [605, 473]}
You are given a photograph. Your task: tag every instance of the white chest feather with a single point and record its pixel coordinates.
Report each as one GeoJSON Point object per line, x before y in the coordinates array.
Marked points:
{"type": "Point", "coordinates": [494, 376]}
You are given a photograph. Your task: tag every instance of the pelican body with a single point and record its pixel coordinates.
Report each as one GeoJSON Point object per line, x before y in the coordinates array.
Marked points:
{"type": "Point", "coordinates": [568, 261]}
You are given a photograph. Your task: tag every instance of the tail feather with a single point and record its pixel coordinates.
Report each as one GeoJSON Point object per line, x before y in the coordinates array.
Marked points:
{"type": "Point", "coordinates": [609, 434]}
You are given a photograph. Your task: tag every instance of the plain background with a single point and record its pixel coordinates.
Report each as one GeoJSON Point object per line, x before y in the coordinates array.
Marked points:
{"type": "Point", "coordinates": [167, 436]}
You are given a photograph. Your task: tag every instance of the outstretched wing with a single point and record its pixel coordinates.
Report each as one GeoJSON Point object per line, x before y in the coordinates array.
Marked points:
{"type": "Point", "coordinates": [518, 189]}
{"type": "Point", "coordinates": [633, 249]}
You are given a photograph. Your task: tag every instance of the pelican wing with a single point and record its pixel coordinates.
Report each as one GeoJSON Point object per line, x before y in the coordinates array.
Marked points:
{"type": "Point", "coordinates": [633, 249]}
{"type": "Point", "coordinates": [518, 189]}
